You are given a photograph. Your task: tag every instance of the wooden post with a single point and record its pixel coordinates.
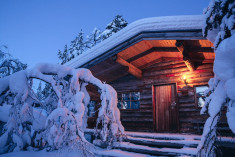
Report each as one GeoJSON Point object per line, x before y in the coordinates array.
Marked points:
{"type": "Point", "coordinates": [187, 60]}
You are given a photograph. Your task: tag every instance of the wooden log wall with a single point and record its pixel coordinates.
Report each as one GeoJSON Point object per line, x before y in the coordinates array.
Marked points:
{"type": "Point", "coordinates": [190, 120]}
{"type": "Point", "coordinates": [141, 119]}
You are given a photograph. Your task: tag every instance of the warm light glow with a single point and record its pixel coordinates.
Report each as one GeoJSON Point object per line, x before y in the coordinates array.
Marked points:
{"type": "Point", "coordinates": [185, 81]}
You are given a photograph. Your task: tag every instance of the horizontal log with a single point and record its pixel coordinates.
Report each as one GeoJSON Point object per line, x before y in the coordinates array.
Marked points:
{"type": "Point", "coordinates": [112, 76]}
{"type": "Point", "coordinates": [114, 67]}
{"type": "Point", "coordinates": [128, 84]}
{"type": "Point", "coordinates": [190, 120]}
{"type": "Point", "coordinates": [166, 71]}
{"type": "Point", "coordinates": [139, 129]}
{"type": "Point", "coordinates": [126, 89]}
{"type": "Point", "coordinates": [171, 66]}
{"type": "Point", "coordinates": [218, 128]}
{"type": "Point", "coordinates": [176, 77]}
{"type": "Point", "coordinates": [146, 95]}
{"type": "Point", "coordinates": [136, 119]}
{"type": "Point", "coordinates": [146, 107]}
{"type": "Point", "coordinates": [194, 114]}
{"type": "Point", "coordinates": [196, 73]}
{"type": "Point", "coordinates": [191, 97]}
{"type": "Point", "coordinates": [188, 131]}
{"type": "Point", "coordinates": [189, 110]}
{"type": "Point", "coordinates": [162, 59]}
{"type": "Point", "coordinates": [166, 62]}
{"type": "Point", "coordinates": [195, 80]}
{"type": "Point", "coordinates": [185, 71]}
{"type": "Point", "coordinates": [137, 115]}
{"type": "Point", "coordinates": [146, 101]}
{"type": "Point", "coordinates": [193, 84]}
{"type": "Point", "coordinates": [156, 80]}
{"type": "Point", "coordinates": [128, 79]}
{"type": "Point", "coordinates": [132, 111]}
{"type": "Point", "coordinates": [137, 124]}
{"type": "Point", "coordinates": [186, 101]}
{"type": "Point", "coordinates": [187, 105]}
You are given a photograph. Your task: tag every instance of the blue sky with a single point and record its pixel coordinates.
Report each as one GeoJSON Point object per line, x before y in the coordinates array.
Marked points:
{"type": "Point", "coordinates": [34, 30]}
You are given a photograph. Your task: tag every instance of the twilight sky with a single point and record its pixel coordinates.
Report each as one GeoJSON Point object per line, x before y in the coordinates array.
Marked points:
{"type": "Point", "coordinates": [34, 30]}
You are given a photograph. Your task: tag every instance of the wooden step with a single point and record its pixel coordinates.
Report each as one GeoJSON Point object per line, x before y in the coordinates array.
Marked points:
{"type": "Point", "coordinates": [163, 143]}
{"type": "Point", "coordinates": [126, 146]}
{"type": "Point", "coordinates": [163, 136]}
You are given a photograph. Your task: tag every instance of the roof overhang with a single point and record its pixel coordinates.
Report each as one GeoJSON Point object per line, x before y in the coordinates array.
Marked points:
{"type": "Point", "coordinates": [157, 28]}
{"type": "Point", "coordinates": [147, 42]}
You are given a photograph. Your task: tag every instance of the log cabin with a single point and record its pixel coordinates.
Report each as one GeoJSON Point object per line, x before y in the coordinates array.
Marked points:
{"type": "Point", "coordinates": [160, 68]}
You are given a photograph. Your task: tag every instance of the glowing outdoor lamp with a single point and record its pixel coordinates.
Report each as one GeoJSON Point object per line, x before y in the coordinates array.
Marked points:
{"type": "Point", "coordinates": [185, 80]}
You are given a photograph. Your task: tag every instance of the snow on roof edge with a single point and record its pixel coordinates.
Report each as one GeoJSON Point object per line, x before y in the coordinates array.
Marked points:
{"type": "Point", "coordinates": [164, 23]}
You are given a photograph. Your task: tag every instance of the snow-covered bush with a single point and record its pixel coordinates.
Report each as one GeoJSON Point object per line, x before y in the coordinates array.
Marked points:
{"type": "Point", "coordinates": [58, 123]}
{"type": "Point", "coordinates": [219, 27]}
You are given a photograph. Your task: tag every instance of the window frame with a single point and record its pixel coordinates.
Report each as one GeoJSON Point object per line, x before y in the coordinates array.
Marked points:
{"type": "Point", "coordinates": [129, 92]}
{"type": "Point", "coordinates": [195, 94]}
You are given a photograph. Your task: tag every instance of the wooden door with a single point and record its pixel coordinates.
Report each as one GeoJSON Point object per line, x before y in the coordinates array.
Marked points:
{"type": "Point", "coordinates": [165, 109]}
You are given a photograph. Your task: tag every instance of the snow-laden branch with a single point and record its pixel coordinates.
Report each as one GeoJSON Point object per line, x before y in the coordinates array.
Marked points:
{"type": "Point", "coordinates": [219, 25]}
{"type": "Point", "coordinates": [67, 120]}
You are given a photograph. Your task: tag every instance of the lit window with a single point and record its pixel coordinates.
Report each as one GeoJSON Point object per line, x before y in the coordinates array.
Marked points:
{"type": "Point", "coordinates": [129, 100]}
{"type": "Point", "coordinates": [200, 96]}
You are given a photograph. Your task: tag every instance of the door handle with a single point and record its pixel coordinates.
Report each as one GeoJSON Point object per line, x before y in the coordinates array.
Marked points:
{"type": "Point", "coordinates": [173, 105]}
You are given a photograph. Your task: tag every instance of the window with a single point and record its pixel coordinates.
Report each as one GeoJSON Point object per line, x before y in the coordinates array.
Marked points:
{"type": "Point", "coordinates": [130, 100]}
{"type": "Point", "coordinates": [200, 97]}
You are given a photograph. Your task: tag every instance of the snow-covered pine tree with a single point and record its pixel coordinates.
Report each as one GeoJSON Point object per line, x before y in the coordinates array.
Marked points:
{"type": "Point", "coordinates": [60, 56]}
{"type": "Point", "coordinates": [219, 20]}
{"type": "Point", "coordinates": [8, 64]}
{"type": "Point", "coordinates": [78, 45]}
{"type": "Point", "coordinates": [219, 28]}
{"type": "Point", "coordinates": [64, 56]}
{"type": "Point", "coordinates": [94, 38]}
{"type": "Point", "coordinates": [39, 91]}
{"type": "Point", "coordinates": [116, 25]}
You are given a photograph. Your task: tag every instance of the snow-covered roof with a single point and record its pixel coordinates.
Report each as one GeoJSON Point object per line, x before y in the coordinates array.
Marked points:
{"type": "Point", "coordinates": [165, 23]}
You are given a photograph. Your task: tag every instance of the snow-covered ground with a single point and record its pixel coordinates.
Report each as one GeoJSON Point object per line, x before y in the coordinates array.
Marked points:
{"type": "Point", "coordinates": [98, 153]}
